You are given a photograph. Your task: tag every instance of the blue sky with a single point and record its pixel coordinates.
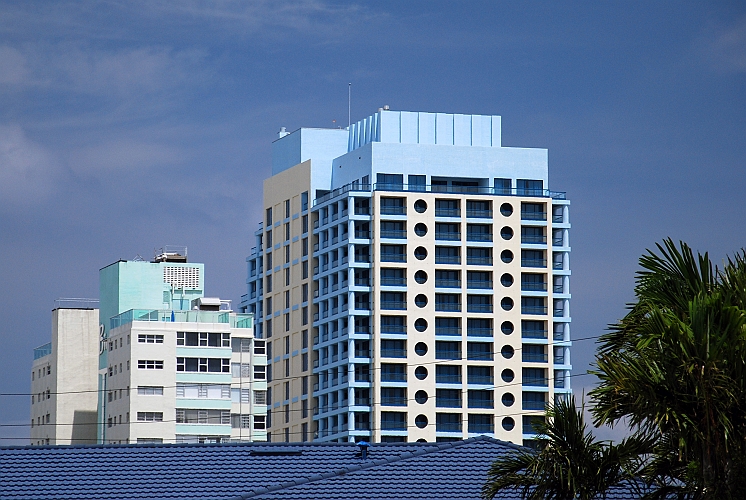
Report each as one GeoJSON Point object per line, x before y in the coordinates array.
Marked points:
{"type": "Point", "coordinates": [125, 126]}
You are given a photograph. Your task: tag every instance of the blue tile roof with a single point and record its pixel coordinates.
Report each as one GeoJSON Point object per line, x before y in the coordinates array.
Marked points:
{"type": "Point", "coordinates": [252, 471]}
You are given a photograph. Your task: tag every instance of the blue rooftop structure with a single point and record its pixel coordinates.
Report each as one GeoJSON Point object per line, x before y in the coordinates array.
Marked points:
{"type": "Point", "coordinates": [454, 470]}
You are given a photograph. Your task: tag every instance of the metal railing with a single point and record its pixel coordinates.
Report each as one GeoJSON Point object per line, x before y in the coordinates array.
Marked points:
{"type": "Point", "coordinates": [478, 236]}
{"type": "Point", "coordinates": [447, 283]}
{"type": "Point", "coordinates": [478, 214]}
{"type": "Point", "coordinates": [393, 305]}
{"type": "Point", "coordinates": [478, 261]}
{"type": "Point", "coordinates": [534, 263]}
{"type": "Point", "coordinates": [447, 212]}
{"type": "Point", "coordinates": [479, 284]}
{"type": "Point", "coordinates": [447, 236]}
{"type": "Point", "coordinates": [533, 215]}
{"type": "Point", "coordinates": [43, 350]}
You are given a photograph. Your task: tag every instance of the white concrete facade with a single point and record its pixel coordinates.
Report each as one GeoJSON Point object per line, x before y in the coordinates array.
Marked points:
{"type": "Point", "coordinates": [63, 380]}
{"type": "Point", "coordinates": [196, 376]}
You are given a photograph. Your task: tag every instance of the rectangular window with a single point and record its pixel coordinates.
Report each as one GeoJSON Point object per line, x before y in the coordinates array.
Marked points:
{"type": "Point", "coordinates": [447, 350]}
{"type": "Point", "coordinates": [150, 364]}
{"type": "Point", "coordinates": [447, 208]}
{"type": "Point", "coordinates": [304, 385]}
{"type": "Point", "coordinates": [259, 422]}
{"type": "Point", "coordinates": [393, 253]}
{"type": "Point", "coordinates": [502, 186]}
{"type": "Point", "coordinates": [529, 187]}
{"type": "Point", "coordinates": [393, 229]}
{"type": "Point", "coordinates": [446, 231]}
{"type": "Point", "coordinates": [260, 373]}
{"type": "Point", "coordinates": [389, 182]}
{"type": "Point", "coordinates": [150, 416]}
{"type": "Point", "coordinates": [150, 339]}
{"type": "Point", "coordinates": [479, 232]}
{"type": "Point", "coordinates": [393, 421]}
{"type": "Point", "coordinates": [416, 182]}
{"type": "Point", "coordinates": [448, 398]}
{"type": "Point", "coordinates": [304, 269]}
{"type": "Point", "coordinates": [448, 302]}
{"type": "Point", "coordinates": [447, 279]}
{"type": "Point", "coordinates": [393, 206]}
{"type": "Point", "coordinates": [287, 322]}
{"type": "Point", "coordinates": [394, 301]}
{"type": "Point", "coordinates": [536, 377]}
{"type": "Point", "coordinates": [480, 399]}
{"type": "Point", "coordinates": [534, 400]}
{"type": "Point", "coordinates": [304, 201]}
{"type": "Point", "coordinates": [287, 254]}
{"type": "Point", "coordinates": [481, 423]}
{"type": "Point", "coordinates": [304, 315]}
{"type": "Point", "coordinates": [448, 422]}
{"type": "Point", "coordinates": [213, 365]}
{"type": "Point", "coordinates": [479, 351]}
{"type": "Point", "coordinates": [269, 217]}
{"type": "Point", "coordinates": [479, 256]}
{"type": "Point", "coordinates": [304, 247]}
{"type": "Point", "coordinates": [447, 255]}
{"type": "Point", "coordinates": [448, 326]}
{"type": "Point", "coordinates": [304, 224]}
{"type": "Point", "coordinates": [393, 396]}
{"type": "Point", "coordinates": [479, 303]}
{"type": "Point", "coordinates": [393, 348]}
{"type": "Point", "coordinates": [304, 361]}
{"type": "Point", "coordinates": [533, 353]}
{"type": "Point", "coordinates": [533, 235]}
{"type": "Point", "coordinates": [394, 324]}
{"type": "Point", "coordinates": [148, 390]}
{"type": "Point", "coordinates": [393, 372]}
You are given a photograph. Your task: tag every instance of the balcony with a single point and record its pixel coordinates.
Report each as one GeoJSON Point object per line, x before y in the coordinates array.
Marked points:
{"type": "Point", "coordinates": [447, 259]}
{"type": "Point", "coordinates": [362, 281]}
{"type": "Point", "coordinates": [478, 237]}
{"type": "Point", "coordinates": [394, 234]}
{"type": "Point", "coordinates": [479, 308]}
{"type": "Point", "coordinates": [447, 307]}
{"type": "Point", "coordinates": [529, 215]}
{"type": "Point", "coordinates": [393, 210]}
{"type": "Point", "coordinates": [558, 265]}
{"type": "Point", "coordinates": [478, 261]}
{"type": "Point", "coordinates": [442, 378]}
{"type": "Point", "coordinates": [534, 263]}
{"type": "Point", "coordinates": [393, 305]}
{"type": "Point", "coordinates": [362, 235]}
{"type": "Point", "coordinates": [447, 283]}
{"type": "Point", "coordinates": [558, 218]}
{"type": "Point", "coordinates": [481, 428]}
{"type": "Point", "coordinates": [533, 286]}
{"type": "Point", "coordinates": [478, 214]}
{"type": "Point", "coordinates": [448, 330]}
{"type": "Point", "coordinates": [42, 351]}
{"type": "Point", "coordinates": [533, 405]}
{"type": "Point", "coordinates": [393, 257]}
{"type": "Point", "coordinates": [481, 379]}
{"type": "Point", "coordinates": [393, 377]}
{"type": "Point", "coordinates": [447, 212]}
{"type": "Point", "coordinates": [533, 239]}
{"type": "Point", "coordinates": [540, 310]}
{"type": "Point", "coordinates": [534, 334]}
{"type": "Point", "coordinates": [559, 359]}
{"type": "Point", "coordinates": [393, 281]}
{"type": "Point", "coordinates": [447, 403]}
{"type": "Point", "coordinates": [362, 401]}
{"type": "Point", "coordinates": [448, 426]}
{"type": "Point", "coordinates": [393, 353]}
{"type": "Point", "coordinates": [479, 284]}
{"type": "Point", "coordinates": [447, 236]}
{"type": "Point", "coordinates": [479, 332]}
{"type": "Point", "coordinates": [535, 382]}
{"type": "Point", "coordinates": [393, 401]}
{"type": "Point", "coordinates": [533, 357]}
{"type": "Point", "coordinates": [558, 242]}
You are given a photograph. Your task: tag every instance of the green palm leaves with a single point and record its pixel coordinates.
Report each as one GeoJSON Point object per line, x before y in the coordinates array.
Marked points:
{"type": "Point", "coordinates": [675, 367]}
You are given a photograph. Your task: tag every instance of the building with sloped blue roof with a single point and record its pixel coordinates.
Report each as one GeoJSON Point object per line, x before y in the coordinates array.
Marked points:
{"type": "Point", "coordinates": [314, 470]}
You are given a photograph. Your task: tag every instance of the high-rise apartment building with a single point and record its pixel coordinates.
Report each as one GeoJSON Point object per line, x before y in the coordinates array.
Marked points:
{"type": "Point", "coordinates": [63, 377]}
{"type": "Point", "coordinates": [174, 365]}
{"type": "Point", "coordinates": [411, 279]}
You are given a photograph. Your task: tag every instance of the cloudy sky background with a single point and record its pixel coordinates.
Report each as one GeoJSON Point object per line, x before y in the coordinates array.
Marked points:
{"type": "Point", "coordinates": [125, 126]}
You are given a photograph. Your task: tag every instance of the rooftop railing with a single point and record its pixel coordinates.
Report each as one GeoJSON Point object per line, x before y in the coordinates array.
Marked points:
{"type": "Point", "coordinates": [44, 350]}
{"type": "Point", "coordinates": [235, 320]}
{"type": "Point", "coordinates": [485, 190]}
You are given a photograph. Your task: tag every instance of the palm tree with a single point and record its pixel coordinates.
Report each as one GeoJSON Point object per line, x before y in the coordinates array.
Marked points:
{"type": "Point", "coordinates": [675, 368]}
{"type": "Point", "coordinates": [570, 464]}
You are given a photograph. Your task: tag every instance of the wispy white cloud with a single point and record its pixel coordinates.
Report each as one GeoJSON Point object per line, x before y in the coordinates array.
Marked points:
{"type": "Point", "coordinates": [27, 170]}
{"type": "Point", "coordinates": [133, 155]}
{"type": "Point", "coordinates": [724, 47]}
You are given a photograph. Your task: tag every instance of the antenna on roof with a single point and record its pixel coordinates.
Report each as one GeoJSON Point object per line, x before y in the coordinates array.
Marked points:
{"type": "Point", "coordinates": [349, 105]}
{"type": "Point", "coordinates": [364, 445]}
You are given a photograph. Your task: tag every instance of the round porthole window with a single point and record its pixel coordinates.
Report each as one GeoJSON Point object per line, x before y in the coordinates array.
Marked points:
{"type": "Point", "coordinates": [508, 399]}
{"type": "Point", "coordinates": [506, 256]}
{"type": "Point", "coordinates": [420, 348]}
{"type": "Point", "coordinates": [506, 233]}
{"type": "Point", "coordinates": [420, 253]}
{"type": "Point", "coordinates": [507, 375]}
{"type": "Point", "coordinates": [507, 327]}
{"type": "Point", "coordinates": [508, 423]}
{"type": "Point", "coordinates": [422, 440]}
{"type": "Point", "coordinates": [506, 280]}
{"type": "Point", "coordinates": [420, 229]}
{"type": "Point", "coordinates": [421, 373]}
{"type": "Point", "coordinates": [420, 421]}
{"type": "Point", "coordinates": [420, 277]}
{"type": "Point", "coordinates": [420, 325]}
{"type": "Point", "coordinates": [420, 300]}
{"type": "Point", "coordinates": [506, 303]}
{"type": "Point", "coordinates": [506, 209]}
{"type": "Point", "coordinates": [420, 206]}
{"type": "Point", "coordinates": [507, 351]}
{"type": "Point", "coordinates": [420, 397]}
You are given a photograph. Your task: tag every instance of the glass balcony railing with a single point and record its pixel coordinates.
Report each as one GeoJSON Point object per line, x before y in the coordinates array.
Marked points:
{"type": "Point", "coordinates": [533, 215]}
{"type": "Point", "coordinates": [447, 236]}
{"type": "Point", "coordinates": [447, 283]}
{"type": "Point", "coordinates": [393, 353]}
{"type": "Point", "coordinates": [534, 263]}
{"type": "Point", "coordinates": [478, 214]}
{"type": "Point", "coordinates": [481, 379]}
{"type": "Point", "coordinates": [448, 402]}
{"type": "Point", "coordinates": [393, 401]}
{"type": "Point", "coordinates": [533, 239]}
{"type": "Point", "coordinates": [392, 210]}
{"type": "Point", "coordinates": [395, 329]}
{"type": "Point", "coordinates": [481, 428]}
{"type": "Point", "coordinates": [447, 259]}
{"type": "Point", "coordinates": [448, 330]}
{"type": "Point", "coordinates": [393, 257]}
{"type": "Point", "coordinates": [447, 307]}
{"type": "Point", "coordinates": [448, 426]}
{"type": "Point", "coordinates": [393, 281]}
{"type": "Point", "coordinates": [533, 310]}
{"type": "Point", "coordinates": [533, 286]}
{"type": "Point", "coordinates": [479, 284]}
{"type": "Point", "coordinates": [531, 357]}
{"type": "Point", "coordinates": [236, 320]}
{"type": "Point", "coordinates": [532, 405]}
{"type": "Point", "coordinates": [44, 350]}
{"type": "Point", "coordinates": [393, 305]}
{"type": "Point", "coordinates": [535, 382]}
{"type": "Point", "coordinates": [534, 334]}
{"type": "Point", "coordinates": [479, 332]}
{"type": "Point", "coordinates": [395, 234]}
{"type": "Point", "coordinates": [478, 261]}
{"type": "Point", "coordinates": [393, 377]}
{"type": "Point", "coordinates": [478, 236]}
{"type": "Point", "coordinates": [479, 308]}
{"type": "Point", "coordinates": [447, 212]}
{"type": "Point", "coordinates": [447, 378]}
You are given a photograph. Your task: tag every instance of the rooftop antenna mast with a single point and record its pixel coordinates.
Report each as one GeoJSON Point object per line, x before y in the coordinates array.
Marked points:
{"type": "Point", "coordinates": [349, 105]}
